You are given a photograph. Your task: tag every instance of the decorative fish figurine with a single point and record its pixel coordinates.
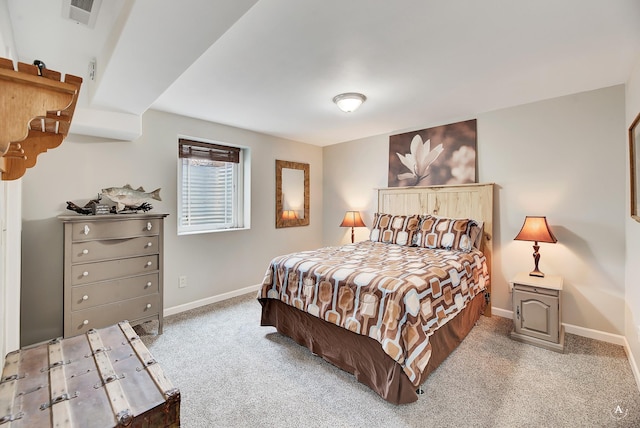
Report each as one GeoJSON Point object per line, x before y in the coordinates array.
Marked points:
{"type": "Point", "coordinates": [127, 196]}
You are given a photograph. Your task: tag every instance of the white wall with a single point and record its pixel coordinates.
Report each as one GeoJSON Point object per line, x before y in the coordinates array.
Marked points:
{"type": "Point", "coordinates": [3, 251]}
{"type": "Point", "coordinates": [10, 260]}
{"type": "Point", "coordinates": [563, 158]}
{"type": "Point", "coordinates": [10, 209]}
{"type": "Point", "coordinates": [215, 263]}
{"type": "Point", "coordinates": [632, 228]}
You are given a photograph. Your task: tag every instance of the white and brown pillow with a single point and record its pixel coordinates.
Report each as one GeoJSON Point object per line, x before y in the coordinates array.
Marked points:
{"type": "Point", "coordinates": [445, 233]}
{"type": "Point", "coordinates": [394, 229]}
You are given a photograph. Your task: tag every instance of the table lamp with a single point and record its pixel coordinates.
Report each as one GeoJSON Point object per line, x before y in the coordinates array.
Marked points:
{"type": "Point", "coordinates": [352, 219]}
{"type": "Point", "coordinates": [537, 230]}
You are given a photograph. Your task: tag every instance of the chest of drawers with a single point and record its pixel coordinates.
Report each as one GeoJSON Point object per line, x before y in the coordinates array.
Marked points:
{"type": "Point", "coordinates": [112, 270]}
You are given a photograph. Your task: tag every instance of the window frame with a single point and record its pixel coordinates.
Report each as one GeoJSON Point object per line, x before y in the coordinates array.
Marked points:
{"type": "Point", "coordinates": [241, 188]}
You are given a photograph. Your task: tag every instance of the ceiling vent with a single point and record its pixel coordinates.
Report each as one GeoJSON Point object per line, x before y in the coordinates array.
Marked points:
{"type": "Point", "coordinates": [82, 11]}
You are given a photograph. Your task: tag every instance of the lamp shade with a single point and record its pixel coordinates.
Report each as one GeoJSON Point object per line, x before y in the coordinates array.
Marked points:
{"type": "Point", "coordinates": [535, 229]}
{"type": "Point", "coordinates": [349, 101]}
{"type": "Point", "coordinates": [352, 219]}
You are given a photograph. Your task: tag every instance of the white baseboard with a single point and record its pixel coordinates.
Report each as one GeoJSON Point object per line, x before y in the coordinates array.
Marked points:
{"type": "Point", "coordinates": [501, 312]}
{"type": "Point", "coordinates": [209, 300]}
{"type": "Point", "coordinates": [616, 339]}
{"type": "Point", "coordinates": [632, 361]}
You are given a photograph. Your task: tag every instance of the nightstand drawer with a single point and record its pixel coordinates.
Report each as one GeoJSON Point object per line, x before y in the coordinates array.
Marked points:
{"type": "Point", "coordinates": [106, 315]}
{"type": "Point", "coordinates": [100, 293]}
{"type": "Point", "coordinates": [89, 251]}
{"type": "Point", "coordinates": [536, 290]}
{"type": "Point", "coordinates": [114, 229]}
{"type": "Point", "coordinates": [100, 271]}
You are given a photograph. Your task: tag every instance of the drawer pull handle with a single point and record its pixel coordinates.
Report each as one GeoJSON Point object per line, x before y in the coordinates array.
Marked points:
{"type": "Point", "coordinates": [149, 225]}
{"type": "Point", "coordinates": [86, 229]}
{"type": "Point", "coordinates": [148, 284]}
{"type": "Point", "coordinates": [85, 322]}
{"type": "Point", "coordinates": [149, 263]}
{"type": "Point", "coordinates": [85, 297]}
{"type": "Point", "coordinates": [148, 305]}
{"type": "Point", "coordinates": [149, 244]}
{"type": "Point", "coordinates": [85, 273]}
{"type": "Point", "coordinates": [85, 251]}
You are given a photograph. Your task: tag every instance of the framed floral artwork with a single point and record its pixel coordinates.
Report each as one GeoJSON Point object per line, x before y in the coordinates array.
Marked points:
{"type": "Point", "coordinates": [634, 172]}
{"type": "Point", "coordinates": [440, 155]}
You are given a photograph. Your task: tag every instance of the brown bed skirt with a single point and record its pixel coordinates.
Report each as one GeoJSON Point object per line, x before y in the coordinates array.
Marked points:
{"type": "Point", "coordinates": [362, 356]}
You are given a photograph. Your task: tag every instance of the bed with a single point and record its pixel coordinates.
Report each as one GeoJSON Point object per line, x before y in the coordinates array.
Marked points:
{"type": "Point", "coordinates": [391, 309]}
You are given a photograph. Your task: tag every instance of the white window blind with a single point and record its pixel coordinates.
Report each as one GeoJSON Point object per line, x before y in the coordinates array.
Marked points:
{"type": "Point", "coordinates": [210, 191]}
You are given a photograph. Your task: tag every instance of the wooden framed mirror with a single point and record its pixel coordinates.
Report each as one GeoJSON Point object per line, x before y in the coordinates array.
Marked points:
{"type": "Point", "coordinates": [634, 156]}
{"type": "Point", "coordinates": [292, 194]}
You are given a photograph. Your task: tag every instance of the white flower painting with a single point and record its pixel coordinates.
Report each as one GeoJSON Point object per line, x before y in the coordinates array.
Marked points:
{"type": "Point", "coordinates": [441, 155]}
{"type": "Point", "coordinates": [419, 159]}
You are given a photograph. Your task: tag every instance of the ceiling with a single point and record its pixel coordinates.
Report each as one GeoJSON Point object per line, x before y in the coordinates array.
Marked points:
{"type": "Point", "coordinates": [273, 66]}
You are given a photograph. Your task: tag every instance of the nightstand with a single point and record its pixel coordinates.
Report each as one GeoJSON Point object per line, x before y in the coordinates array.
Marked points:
{"type": "Point", "coordinates": [537, 311]}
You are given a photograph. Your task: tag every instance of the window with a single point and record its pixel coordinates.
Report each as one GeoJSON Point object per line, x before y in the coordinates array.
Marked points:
{"type": "Point", "coordinates": [211, 193]}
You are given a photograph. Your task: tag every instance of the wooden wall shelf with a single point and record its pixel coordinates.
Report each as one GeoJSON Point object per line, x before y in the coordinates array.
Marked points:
{"type": "Point", "coordinates": [36, 109]}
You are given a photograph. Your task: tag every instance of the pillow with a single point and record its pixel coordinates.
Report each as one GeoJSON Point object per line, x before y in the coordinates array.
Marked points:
{"type": "Point", "coordinates": [394, 229]}
{"type": "Point", "coordinates": [476, 232]}
{"type": "Point", "coordinates": [445, 233]}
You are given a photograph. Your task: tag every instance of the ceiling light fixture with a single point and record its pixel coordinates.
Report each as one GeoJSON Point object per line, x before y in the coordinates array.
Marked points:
{"type": "Point", "coordinates": [349, 101]}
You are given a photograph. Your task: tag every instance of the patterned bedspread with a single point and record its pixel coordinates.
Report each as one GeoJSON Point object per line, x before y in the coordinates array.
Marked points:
{"type": "Point", "coordinates": [397, 295]}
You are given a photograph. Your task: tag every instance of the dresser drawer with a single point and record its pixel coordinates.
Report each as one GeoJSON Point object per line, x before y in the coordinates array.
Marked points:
{"type": "Point", "coordinates": [100, 293]}
{"type": "Point", "coordinates": [112, 313]}
{"type": "Point", "coordinates": [86, 273]}
{"type": "Point", "coordinates": [89, 251]}
{"type": "Point", "coordinates": [113, 229]}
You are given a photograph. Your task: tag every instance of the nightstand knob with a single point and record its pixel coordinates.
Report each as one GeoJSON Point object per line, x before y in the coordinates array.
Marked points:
{"type": "Point", "coordinates": [148, 305]}
{"type": "Point", "coordinates": [149, 225]}
{"type": "Point", "coordinates": [85, 251]}
{"type": "Point", "coordinates": [85, 297]}
{"type": "Point", "coordinates": [86, 229]}
{"type": "Point", "coordinates": [85, 273]}
{"type": "Point", "coordinates": [148, 284]}
{"type": "Point", "coordinates": [85, 322]}
{"type": "Point", "coordinates": [149, 244]}
{"type": "Point", "coordinates": [149, 263]}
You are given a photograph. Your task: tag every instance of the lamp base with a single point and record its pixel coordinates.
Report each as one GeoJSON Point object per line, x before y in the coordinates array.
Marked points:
{"type": "Point", "coordinates": [536, 259]}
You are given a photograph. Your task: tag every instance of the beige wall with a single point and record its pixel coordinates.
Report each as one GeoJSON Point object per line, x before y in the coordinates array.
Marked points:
{"type": "Point", "coordinates": [214, 263]}
{"type": "Point", "coordinates": [632, 279]}
{"type": "Point", "coordinates": [563, 158]}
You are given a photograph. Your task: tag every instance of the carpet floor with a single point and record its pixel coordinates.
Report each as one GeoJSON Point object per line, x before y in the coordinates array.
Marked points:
{"type": "Point", "coordinates": [233, 373]}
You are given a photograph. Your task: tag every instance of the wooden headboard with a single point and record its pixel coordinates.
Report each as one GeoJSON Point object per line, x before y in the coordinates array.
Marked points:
{"type": "Point", "coordinates": [473, 201]}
